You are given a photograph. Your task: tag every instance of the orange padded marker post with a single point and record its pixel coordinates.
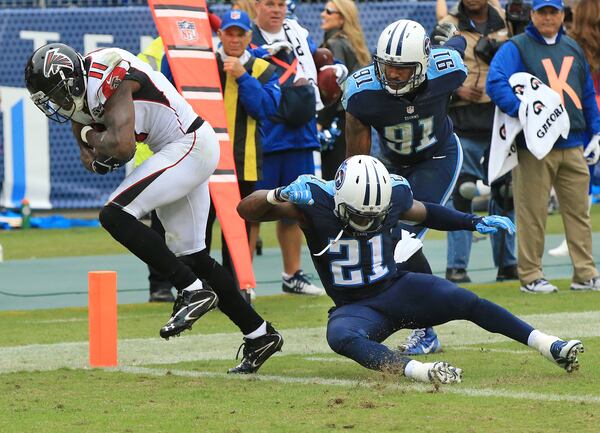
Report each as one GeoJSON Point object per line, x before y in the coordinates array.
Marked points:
{"type": "Point", "coordinates": [102, 314]}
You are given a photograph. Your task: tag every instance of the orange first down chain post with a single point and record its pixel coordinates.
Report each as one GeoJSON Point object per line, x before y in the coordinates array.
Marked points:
{"type": "Point", "coordinates": [186, 34]}
{"type": "Point", "coordinates": [102, 315]}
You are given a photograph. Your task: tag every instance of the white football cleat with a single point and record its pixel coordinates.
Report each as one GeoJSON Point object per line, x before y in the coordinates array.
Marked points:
{"type": "Point", "coordinates": [443, 373]}
{"type": "Point", "coordinates": [564, 354]}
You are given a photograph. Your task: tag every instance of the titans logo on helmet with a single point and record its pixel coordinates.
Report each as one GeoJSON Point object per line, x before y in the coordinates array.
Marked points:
{"type": "Point", "coordinates": [340, 175]}
{"type": "Point", "coordinates": [427, 46]}
{"type": "Point", "coordinates": [55, 61]}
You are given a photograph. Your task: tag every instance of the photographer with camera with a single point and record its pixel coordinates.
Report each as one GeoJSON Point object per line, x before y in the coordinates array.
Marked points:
{"type": "Point", "coordinates": [472, 113]}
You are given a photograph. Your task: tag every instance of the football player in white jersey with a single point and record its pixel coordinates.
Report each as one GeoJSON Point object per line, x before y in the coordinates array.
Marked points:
{"type": "Point", "coordinates": [113, 99]}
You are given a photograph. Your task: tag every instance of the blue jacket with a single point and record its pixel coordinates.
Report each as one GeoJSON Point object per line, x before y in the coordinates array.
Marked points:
{"type": "Point", "coordinates": [279, 136]}
{"type": "Point", "coordinates": [507, 61]}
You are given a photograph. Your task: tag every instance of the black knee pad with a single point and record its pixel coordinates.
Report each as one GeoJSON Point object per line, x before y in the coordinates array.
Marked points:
{"type": "Point", "coordinates": [117, 222]}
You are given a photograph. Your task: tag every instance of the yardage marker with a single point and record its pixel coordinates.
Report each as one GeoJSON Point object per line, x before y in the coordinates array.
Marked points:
{"type": "Point", "coordinates": [452, 389]}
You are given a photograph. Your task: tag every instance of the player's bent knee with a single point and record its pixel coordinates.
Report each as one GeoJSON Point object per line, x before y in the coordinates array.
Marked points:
{"type": "Point", "coordinates": [340, 338]}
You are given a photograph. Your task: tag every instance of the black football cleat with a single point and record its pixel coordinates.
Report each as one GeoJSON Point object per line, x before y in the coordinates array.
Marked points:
{"type": "Point", "coordinates": [189, 306]}
{"type": "Point", "coordinates": [257, 351]}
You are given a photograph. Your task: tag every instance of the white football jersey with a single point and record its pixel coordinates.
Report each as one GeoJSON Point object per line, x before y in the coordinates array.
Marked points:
{"type": "Point", "coordinates": [162, 115]}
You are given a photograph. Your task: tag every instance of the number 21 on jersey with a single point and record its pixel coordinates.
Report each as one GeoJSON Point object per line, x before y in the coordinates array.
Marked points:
{"type": "Point", "coordinates": [348, 270]}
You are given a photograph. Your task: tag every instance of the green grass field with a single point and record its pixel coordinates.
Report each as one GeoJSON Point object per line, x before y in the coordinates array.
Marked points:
{"type": "Point", "coordinates": [180, 385]}
{"type": "Point", "coordinates": [26, 244]}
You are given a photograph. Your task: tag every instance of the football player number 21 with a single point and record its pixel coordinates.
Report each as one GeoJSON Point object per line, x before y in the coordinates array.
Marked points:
{"type": "Point", "coordinates": [400, 137]}
{"type": "Point", "coordinates": [348, 270]}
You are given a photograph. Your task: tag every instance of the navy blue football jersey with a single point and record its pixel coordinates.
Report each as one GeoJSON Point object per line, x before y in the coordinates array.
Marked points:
{"type": "Point", "coordinates": [354, 267]}
{"type": "Point", "coordinates": [410, 130]}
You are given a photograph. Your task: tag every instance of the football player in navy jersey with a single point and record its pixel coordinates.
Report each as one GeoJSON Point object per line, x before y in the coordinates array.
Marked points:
{"type": "Point", "coordinates": [404, 96]}
{"type": "Point", "coordinates": [347, 223]}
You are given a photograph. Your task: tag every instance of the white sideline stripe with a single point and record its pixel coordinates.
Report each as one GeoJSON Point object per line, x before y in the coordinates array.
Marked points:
{"type": "Point", "coordinates": [162, 13]}
{"type": "Point", "coordinates": [191, 54]}
{"type": "Point", "coordinates": [457, 389]}
{"type": "Point", "coordinates": [206, 96]}
{"type": "Point", "coordinates": [193, 346]}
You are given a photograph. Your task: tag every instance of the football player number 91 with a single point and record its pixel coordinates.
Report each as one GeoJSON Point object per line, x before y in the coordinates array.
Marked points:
{"type": "Point", "coordinates": [400, 138]}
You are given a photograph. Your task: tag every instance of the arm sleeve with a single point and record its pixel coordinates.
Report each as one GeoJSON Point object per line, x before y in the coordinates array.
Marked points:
{"type": "Point", "coordinates": [260, 101]}
{"type": "Point", "coordinates": [442, 218]}
{"type": "Point", "coordinates": [458, 43]}
{"type": "Point", "coordinates": [506, 62]}
{"type": "Point", "coordinates": [258, 52]}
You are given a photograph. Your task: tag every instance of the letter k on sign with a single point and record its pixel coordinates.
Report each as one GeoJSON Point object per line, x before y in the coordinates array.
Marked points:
{"type": "Point", "coordinates": [559, 83]}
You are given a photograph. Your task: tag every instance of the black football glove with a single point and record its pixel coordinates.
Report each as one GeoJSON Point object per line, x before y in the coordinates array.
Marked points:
{"type": "Point", "coordinates": [105, 164]}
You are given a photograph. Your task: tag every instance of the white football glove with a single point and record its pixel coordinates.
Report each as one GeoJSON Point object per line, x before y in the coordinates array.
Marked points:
{"type": "Point", "coordinates": [276, 47]}
{"type": "Point", "coordinates": [341, 72]}
{"type": "Point", "coordinates": [591, 152]}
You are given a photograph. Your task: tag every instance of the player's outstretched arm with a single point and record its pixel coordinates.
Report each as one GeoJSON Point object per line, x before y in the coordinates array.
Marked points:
{"type": "Point", "coordinates": [358, 137]}
{"type": "Point", "coordinates": [118, 140]}
{"type": "Point", "coordinates": [439, 217]}
{"type": "Point", "coordinates": [258, 207]}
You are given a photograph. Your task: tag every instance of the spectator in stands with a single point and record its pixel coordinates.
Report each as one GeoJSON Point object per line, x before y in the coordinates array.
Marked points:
{"type": "Point", "coordinates": [472, 114]}
{"type": "Point", "coordinates": [251, 95]}
{"type": "Point", "coordinates": [557, 60]}
{"type": "Point", "coordinates": [585, 29]}
{"type": "Point", "coordinates": [441, 8]}
{"type": "Point", "coordinates": [290, 135]}
{"type": "Point", "coordinates": [345, 39]}
{"type": "Point", "coordinates": [246, 6]}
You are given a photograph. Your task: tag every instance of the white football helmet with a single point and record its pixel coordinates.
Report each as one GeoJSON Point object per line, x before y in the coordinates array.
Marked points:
{"type": "Point", "coordinates": [403, 43]}
{"type": "Point", "coordinates": [363, 192]}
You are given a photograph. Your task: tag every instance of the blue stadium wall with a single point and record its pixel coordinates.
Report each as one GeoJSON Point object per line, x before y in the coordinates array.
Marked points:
{"type": "Point", "coordinates": [39, 160]}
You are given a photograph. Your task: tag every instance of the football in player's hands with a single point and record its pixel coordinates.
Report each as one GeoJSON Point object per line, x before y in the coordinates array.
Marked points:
{"type": "Point", "coordinates": [328, 87]}
{"type": "Point", "coordinates": [103, 164]}
{"type": "Point", "coordinates": [322, 57]}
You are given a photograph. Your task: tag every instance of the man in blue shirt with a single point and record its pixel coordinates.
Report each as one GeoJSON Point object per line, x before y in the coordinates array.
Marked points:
{"type": "Point", "coordinates": [546, 52]}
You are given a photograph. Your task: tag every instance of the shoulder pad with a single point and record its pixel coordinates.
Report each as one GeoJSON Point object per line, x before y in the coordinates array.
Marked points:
{"type": "Point", "coordinates": [361, 80]}
{"type": "Point", "coordinates": [398, 180]}
{"type": "Point", "coordinates": [444, 61]}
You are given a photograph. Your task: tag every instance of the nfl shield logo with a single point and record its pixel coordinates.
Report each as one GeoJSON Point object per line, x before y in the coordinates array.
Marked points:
{"type": "Point", "coordinates": [410, 109]}
{"type": "Point", "coordinates": [187, 30]}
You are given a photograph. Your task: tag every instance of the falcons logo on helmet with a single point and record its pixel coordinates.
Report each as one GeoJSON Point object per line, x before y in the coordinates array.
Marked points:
{"type": "Point", "coordinates": [55, 61]}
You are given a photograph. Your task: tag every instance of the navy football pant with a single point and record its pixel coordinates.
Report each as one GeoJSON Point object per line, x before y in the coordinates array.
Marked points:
{"type": "Point", "coordinates": [413, 301]}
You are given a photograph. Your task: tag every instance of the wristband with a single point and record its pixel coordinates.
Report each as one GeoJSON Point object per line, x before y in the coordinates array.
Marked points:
{"type": "Point", "coordinates": [84, 131]}
{"type": "Point", "coordinates": [273, 196]}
